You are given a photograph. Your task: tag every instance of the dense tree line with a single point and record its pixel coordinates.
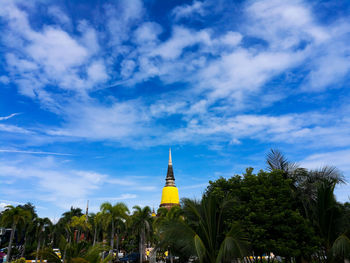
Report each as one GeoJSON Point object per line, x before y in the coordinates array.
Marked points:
{"type": "Point", "coordinates": [285, 213]}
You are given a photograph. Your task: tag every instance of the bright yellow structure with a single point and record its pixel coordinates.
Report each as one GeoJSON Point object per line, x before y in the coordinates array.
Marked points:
{"type": "Point", "coordinates": [170, 194]}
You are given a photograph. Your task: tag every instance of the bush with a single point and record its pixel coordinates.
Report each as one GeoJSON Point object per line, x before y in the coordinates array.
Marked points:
{"type": "Point", "coordinates": [20, 260]}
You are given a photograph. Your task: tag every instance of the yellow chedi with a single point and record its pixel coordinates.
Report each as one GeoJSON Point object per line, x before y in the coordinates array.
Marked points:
{"type": "Point", "coordinates": [170, 193]}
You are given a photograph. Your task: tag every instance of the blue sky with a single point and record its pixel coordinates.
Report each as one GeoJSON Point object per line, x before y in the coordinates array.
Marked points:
{"type": "Point", "coordinates": [93, 94]}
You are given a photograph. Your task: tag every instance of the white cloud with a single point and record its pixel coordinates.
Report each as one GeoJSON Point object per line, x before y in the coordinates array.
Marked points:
{"type": "Point", "coordinates": [97, 72]}
{"type": "Point", "coordinates": [181, 38]}
{"type": "Point", "coordinates": [122, 197]}
{"type": "Point", "coordinates": [14, 129]}
{"type": "Point", "coordinates": [120, 19]}
{"type": "Point", "coordinates": [3, 205]}
{"type": "Point", "coordinates": [4, 80]}
{"type": "Point", "coordinates": [59, 15]}
{"type": "Point", "coordinates": [339, 159]}
{"type": "Point", "coordinates": [32, 152]}
{"type": "Point", "coordinates": [147, 32]}
{"type": "Point", "coordinates": [221, 75]}
{"type": "Point", "coordinates": [8, 117]}
{"type": "Point", "coordinates": [185, 11]}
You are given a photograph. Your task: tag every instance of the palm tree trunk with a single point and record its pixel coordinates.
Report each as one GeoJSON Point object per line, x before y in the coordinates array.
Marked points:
{"type": "Point", "coordinates": [95, 235]}
{"type": "Point", "coordinates": [117, 247]}
{"type": "Point", "coordinates": [37, 250]}
{"type": "Point", "coordinates": [13, 229]}
{"type": "Point", "coordinates": [171, 257]}
{"type": "Point", "coordinates": [112, 240]}
{"type": "Point", "coordinates": [140, 247]}
{"type": "Point", "coordinates": [24, 244]}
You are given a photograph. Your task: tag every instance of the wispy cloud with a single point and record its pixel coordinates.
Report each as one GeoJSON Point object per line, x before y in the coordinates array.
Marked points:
{"type": "Point", "coordinates": [188, 10]}
{"type": "Point", "coordinates": [223, 76]}
{"type": "Point", "coordinates": [125, 79]}
{"type": "Point", "coordinates": [122, 197]}
{"type": "Point", "coordinates": [33, 152]}
{"type": "Point", "coordinates": [8, 117]}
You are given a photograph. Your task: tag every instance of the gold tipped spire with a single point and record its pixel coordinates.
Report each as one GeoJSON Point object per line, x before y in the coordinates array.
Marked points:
{"type": "Point", "coordinates": [170, 162]}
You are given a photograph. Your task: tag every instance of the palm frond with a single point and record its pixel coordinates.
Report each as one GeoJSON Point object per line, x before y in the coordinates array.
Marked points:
{"type": "Point", "coordinates": [200, 248]}
{"type": "Point", "coordinates": [341, 247]}
{"type": "Point", "coordinates": [234, 245]}
{"type": "Point", "coordinates": [276, 160]}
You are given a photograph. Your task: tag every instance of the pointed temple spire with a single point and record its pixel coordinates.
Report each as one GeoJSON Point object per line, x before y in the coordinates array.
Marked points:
{"type": "Point", "coordinates": [170, 162]}
{"type": "Point", "coordinates": [170, 193]}
{"type": "Point", "coordinates": [170, 179]}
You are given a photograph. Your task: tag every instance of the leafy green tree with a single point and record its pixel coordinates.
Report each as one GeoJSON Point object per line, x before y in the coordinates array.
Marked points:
{"type": "Point", "coordinates": [269, 213]}
{"type": "Point", "coordinates": [28, 227]}
{"type": "Point", "coordinates": [13, 216]}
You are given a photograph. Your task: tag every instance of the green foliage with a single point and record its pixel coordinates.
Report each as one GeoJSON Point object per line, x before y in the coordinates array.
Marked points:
{"type": "Point", "coordinates": [199, 232]}
{"type": "Point", "coordinates": [268, 213]}
{"type": "Point", "coordinates": [20, 260]}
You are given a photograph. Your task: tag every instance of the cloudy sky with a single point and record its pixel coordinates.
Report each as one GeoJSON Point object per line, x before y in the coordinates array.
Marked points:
{"type": "Point", "coordinates": [93, 94]}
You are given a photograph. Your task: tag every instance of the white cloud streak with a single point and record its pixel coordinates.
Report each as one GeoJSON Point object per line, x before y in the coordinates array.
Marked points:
{"type": "Point", "coordinates": [33, 152]}
{"type": "Point", "coordinates": [8, 117]}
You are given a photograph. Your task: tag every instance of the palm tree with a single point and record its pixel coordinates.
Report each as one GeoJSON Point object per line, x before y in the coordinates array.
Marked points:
{"type": "Point", "coordinates": [40, 224]}
{"type": "Point", "coordinates": [28, 224]}
{"type": "Point", "coordinates": [96, 221]}
{"type": "Point", "coordinates": [13, 215]}
{"type": "Point", "coordinates": [114, 215]}
{"type": "Point", "coordinates": [141, 222]}
{"type": "Point", "coordinates": [200, 233]}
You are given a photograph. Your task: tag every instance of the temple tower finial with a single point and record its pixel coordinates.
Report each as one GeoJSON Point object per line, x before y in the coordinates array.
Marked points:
{"type": "Point", "coordinates": [170, 162]}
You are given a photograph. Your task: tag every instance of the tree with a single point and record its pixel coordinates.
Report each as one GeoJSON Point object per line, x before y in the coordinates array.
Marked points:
{"type": "Point", "coordinates": [81, 225]}
{"type": "Point", "coordinates": [114, 215]}
{"type": "Point", "coordinates": [40, 224]}
{"type": "Point", "coordinates": [141, 222]}
{"type": "Point", "coordinates": [96, 221]}
{"type": "Point", "coordinates": [13, 216]}
{"type": "Point", "coordinates": [28, 226]}
{"type": "Point", "coordinates": [269, 213]}
{"type": "Point", "coordinates": [200, 232]}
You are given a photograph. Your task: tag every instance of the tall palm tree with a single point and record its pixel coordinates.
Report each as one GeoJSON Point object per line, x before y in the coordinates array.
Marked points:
{"type": "Point", "coordinates": [200, 233]}
{"type": "Point", "coordinates": [40, 224]}
{"type": "Point", "coordinates": [96, 221]}
{"type": "Point", "coordinates": [141, 222]}
{"type": "Point", "coordinates": [114, 215]}
{"type": "Point", "coordinates": [13, 216]}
